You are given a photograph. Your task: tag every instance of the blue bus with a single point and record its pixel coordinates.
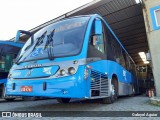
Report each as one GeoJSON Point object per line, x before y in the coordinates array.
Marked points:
{"type": "Point", "coordinates": [78, 57]}
{"type": "Point", "coordinates": [8, 52]}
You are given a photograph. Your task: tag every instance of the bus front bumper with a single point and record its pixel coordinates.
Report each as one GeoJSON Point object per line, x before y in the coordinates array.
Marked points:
{"type": "Point", "coordinates": [65, 87]}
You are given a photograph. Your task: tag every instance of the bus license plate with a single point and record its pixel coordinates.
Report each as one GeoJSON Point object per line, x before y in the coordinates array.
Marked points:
{"type": "Point", "coordinates": [26, 89]}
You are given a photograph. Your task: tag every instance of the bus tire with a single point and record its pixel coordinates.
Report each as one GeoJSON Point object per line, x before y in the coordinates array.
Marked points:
{"type": "Point", "coordinates": [4, 96]}
{"type": "Point", "coordinates": [115, 87]}
{"type": "Point", "coordinates": [113, 97]}
{"type": "Point", "coordinates": [63, 100]}
{"type": "Point", "coordinates": [108, 100]}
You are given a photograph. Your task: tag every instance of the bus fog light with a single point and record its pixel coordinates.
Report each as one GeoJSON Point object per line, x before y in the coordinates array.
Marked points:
{"type": "Point", "coordinates": [86, 74]}
{"type": "Point", "coordinates": [71, 70]}
{"type": "Point", "coordinates": [62, 72]}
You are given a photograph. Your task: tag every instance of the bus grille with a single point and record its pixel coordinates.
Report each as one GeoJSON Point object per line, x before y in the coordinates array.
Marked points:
{"type": "Point", "coordinates": [99, 84]}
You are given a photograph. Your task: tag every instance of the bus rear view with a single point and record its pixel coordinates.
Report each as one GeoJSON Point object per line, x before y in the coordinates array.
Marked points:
{"type": "Point", "coordinates": [72, 59]}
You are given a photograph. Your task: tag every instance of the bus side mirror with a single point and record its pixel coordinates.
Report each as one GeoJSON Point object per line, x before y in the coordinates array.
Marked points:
{"type": "Point", "coordinates": [23, 32]}
{"type": "Point", "coordinates": [98, 27]}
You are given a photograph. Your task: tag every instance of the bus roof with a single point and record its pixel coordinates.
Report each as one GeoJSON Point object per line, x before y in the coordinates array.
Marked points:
{"type": "Point", "coordinates": [16, 44]}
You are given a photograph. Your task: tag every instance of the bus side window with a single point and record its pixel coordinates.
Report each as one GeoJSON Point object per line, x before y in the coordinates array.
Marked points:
{"type": "Point", "coordinates": [127, 60]}
{"type": "Point", "coordinates": [114, 50]}
{"type": "Point", "coordinates": [98, 43]}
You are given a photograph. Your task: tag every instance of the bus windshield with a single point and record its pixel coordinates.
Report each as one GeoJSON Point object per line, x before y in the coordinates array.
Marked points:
{"type": "Point", "coordinates": [6, 62]}
{"type": "Point", "coordinates": [61, 39]}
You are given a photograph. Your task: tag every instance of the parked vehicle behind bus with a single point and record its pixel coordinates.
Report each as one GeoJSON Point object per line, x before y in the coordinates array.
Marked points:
{"type": "Point", "coordinates": [8, 52]}
{"type": "Point", "coordinates": [78, 57]}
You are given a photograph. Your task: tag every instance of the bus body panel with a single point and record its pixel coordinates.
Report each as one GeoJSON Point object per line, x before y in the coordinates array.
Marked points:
{"type": "Point", "coordinates": [110, 68]}
{"type": "Point", "coordinates": [71, 86]}
{"type": "Point", "coordinates": [125, 80]}
{"type": "Point", "coordinates": [75, 86]}
{"type": "Point", "coordinates": [3, 81]}
{"type": "Point", "coordinates": [35, 72]}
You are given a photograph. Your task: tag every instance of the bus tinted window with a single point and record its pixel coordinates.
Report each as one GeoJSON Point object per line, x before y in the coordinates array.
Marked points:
{"type": "Point", "coordinates": [98, 43]}
{"type": "Point", "coordinates": [6, 62]}
{"type": "Point", "coordinates": [114, 50]}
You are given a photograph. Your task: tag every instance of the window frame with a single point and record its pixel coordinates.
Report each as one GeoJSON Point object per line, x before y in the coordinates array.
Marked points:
{"type": "Point", "coordinates": [155, 26]}
{"type": "Point", "coordinates": [156, 17]}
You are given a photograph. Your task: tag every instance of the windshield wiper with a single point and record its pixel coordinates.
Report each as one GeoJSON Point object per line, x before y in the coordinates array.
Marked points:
{"type": "Point", "coordinates": [49, 45]}
{"type": "Point", "coordinates": [39, 40]}
{"type": "Point", "coordinates": [17, 60]}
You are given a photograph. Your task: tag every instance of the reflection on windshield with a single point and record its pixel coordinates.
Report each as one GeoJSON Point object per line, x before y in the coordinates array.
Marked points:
{"type": "Point", "coordinates": [67, 40]}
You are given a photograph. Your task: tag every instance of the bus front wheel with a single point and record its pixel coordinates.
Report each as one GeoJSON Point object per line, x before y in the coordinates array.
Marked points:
{"type": "Point", "coordinates": [63, 100]}
{"type": "Point", "coordinates": [114, 94]}
{"type": "Point", "coordinates": [109, 100]}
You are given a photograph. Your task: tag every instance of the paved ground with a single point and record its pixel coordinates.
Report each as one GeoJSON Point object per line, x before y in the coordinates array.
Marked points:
{"type": "Point", "coordinates": [137, 103]}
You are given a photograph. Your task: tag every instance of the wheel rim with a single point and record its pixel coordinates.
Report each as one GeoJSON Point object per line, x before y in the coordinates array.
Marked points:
{"type": "Point", "coordinates": [114, 92]}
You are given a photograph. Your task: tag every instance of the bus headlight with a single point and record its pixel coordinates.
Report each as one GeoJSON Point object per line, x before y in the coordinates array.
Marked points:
{"type": "Point", "coordinates": [62, 72]}
{"type": "Point", "coordinates": [71, 70]}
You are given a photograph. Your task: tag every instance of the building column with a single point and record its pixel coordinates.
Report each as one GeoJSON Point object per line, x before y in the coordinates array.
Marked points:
{"type": "Point", "coordinates": [153, 35]}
